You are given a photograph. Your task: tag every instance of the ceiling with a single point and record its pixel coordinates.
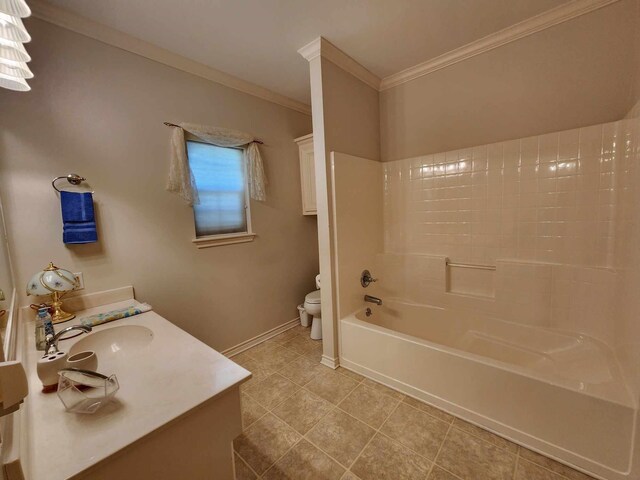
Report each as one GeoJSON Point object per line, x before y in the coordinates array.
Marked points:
{"type": "Point", "coordinates": [257, 40]}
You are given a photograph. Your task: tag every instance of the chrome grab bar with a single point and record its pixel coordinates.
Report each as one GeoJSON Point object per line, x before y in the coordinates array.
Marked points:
{"type": "Point", "coordinates": [470, 265]}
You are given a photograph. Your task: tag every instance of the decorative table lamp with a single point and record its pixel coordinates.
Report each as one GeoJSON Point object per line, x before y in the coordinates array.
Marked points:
{"type": "Point", "coordinates": [56, 282]}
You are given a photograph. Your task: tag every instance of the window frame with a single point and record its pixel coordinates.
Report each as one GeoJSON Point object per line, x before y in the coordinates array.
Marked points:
{"type": "Point", "coordinates": [224, 238]}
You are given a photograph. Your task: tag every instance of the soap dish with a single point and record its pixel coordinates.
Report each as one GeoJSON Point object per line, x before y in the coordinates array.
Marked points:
{"type": "Point", "coordinates": [83, 391]}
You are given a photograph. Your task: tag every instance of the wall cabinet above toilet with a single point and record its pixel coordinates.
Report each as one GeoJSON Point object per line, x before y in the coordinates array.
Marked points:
{"type": "Point", "coordinates": [307, 174]}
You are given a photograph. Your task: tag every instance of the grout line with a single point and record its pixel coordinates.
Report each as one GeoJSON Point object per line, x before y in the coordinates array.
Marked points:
{"type": "Point", "coordinates": [446, 435]}
{"type": "Point", "coordinates": [515, 468]}
{"type": "Point", "coordinates": [282, 456]}
{"type": "Point", "coordinates": [246, 464]}
{"type": "Point", "coordinates": [377, 431]}
{"type": "Point", "coordinates": [558, 474]}
{"type": "Point", "coordinates": [430, 415]}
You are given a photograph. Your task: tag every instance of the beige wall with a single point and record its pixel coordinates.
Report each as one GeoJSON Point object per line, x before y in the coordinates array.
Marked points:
{"type": "Point", "coordinates": [98, 111]}
{"type": "Point", "coordinates": [575, 74]}
{"type": "Point", "coordinates": [357, 212]}
{"type": "Point", "coordinates": [351, 114]}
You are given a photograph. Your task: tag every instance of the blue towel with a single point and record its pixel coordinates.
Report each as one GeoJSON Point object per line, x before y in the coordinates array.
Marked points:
{"type": "Point", "coordinates": [79, 224]}
{"type": "Point", "coordinates": [77, 206]}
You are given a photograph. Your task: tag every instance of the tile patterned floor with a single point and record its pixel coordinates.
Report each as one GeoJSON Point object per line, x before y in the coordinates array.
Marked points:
{"type": "Point", "coordinates": [304, 421]}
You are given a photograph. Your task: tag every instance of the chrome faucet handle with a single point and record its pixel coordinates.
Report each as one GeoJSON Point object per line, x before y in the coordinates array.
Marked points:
{"type": "Point", "coordinates": [366, 278]}
{"type": "Point", "coordinates": [52, 340]}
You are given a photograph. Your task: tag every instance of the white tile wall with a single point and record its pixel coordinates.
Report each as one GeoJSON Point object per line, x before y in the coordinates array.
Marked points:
{"type": "Point", "coordinates": [544, 209]}
{"type": "Point", "coordinates": [549, 198]}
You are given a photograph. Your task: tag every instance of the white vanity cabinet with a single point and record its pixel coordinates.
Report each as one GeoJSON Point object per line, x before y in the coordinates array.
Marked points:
{"type": "Point", "coordinates": [173, 418]}
{"type": "Point", "coordinates": [307, 174]}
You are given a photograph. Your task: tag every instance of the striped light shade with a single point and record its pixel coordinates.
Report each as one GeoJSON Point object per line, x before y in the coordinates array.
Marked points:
{"type": "Point", "coordinates": [12, 29]}
{"type": "Point", "coordinates": [13, 56]}
{"type": "Point", "coordinates": [15, 69]}
{"type": "Point", "coordinates": [14, 83]}
{"type": "Point", "coordinates": [15, 8]}
{"type": "Point", "coordinates": [13, 51]}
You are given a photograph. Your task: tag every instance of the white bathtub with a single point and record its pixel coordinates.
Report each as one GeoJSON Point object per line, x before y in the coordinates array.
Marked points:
{"type": "Point", "coordinates": [558, 393]}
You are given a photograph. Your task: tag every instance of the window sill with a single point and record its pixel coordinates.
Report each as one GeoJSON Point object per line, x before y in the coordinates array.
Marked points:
{"type": "Point", "coordinates": [219, 240]}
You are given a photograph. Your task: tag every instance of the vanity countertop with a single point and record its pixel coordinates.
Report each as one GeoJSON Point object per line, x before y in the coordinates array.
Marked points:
{"type": "Point", "coordinates": [174, 374]}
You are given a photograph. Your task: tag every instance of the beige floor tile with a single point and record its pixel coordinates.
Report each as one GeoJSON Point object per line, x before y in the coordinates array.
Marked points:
{"type": "Point", "coordinates": [304, 462]}
{"type": "Point", "coordinates": [485, 435]}
{"type": "Point", "coordinates": [439, 474]}
{"type": "Point", "coordinates": [331, 386]}
{"type": "Point", "coordinates": [259, 349]}
{"type": "Point", "coordinates": [417, 430]}
{"type": "Point", "coordinates": [302, 370]}
{"type": "Point", "coordinates": [552, 465]}
{"type": "Point", "coordinates": [302, 410]}
{"type": "Point", "coordinates": [383, 389]}
{"type": "Point", "coordinates": [341, 436]}
{"type": "Point", "coordinates": [275, 358]}
{"type": "Point", "coordinates": [258, 373]}
{"type": "Point", "coordinates": [315, 355]}
{"type": "Point", "coordinates": [384, 459]}
{"type": "Point", "coordinates": [530, 471]}
{"type": "Point", "coordinates": [473, 459]}
{"type": "Point", "coordinates": [302, 344]}
{"type": "Point", "coordinates": [356, 376]}
{"type": "Point", "coordinates": [242, 471]}
{"type": "Point", "coordinates": [242, 358]}
{"type": "Point", "coordinates": [251, 410]}
{"type": "Point", "coordinates": [370, 406]}
{"type": "Point", "coordinates": [264, 442]}
{"type": "Point", "coordinates": [349, 476]}
{"type": "Point", "coordinates": [431, 410]}
{"type": "Point", "coordinates": [272, 390]}
{"type": "Point", "coordinates": [285, 336]}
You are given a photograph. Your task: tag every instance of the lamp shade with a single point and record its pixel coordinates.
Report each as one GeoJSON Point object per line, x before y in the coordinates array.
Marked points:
{"type": "Point", "coordinates": [15, 69]}
{"type": "Point", "coordinates": [14, 83]}
{"type": "Point", "coordinates": [13, 51]}
{"type": "Point", "coordinates": [12, 29]}
{"type": "Point", "coordinates": [15, 8]}
{"type": "Point", "coordinates": [51, 279]}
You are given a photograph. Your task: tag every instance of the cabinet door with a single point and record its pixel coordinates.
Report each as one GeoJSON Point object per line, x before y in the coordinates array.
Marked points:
{"type": "Point", "coordinates": [308, 180]}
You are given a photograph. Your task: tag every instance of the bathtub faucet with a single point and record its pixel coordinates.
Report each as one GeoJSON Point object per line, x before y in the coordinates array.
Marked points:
{"type": "Point", "coordinates": [370, 299]}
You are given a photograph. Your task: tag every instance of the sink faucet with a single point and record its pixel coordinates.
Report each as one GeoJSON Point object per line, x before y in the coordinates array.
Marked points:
{"type": "Point", "coordinates": [370, 299]}
{"type": "Point", "coordinates": [52, 340]}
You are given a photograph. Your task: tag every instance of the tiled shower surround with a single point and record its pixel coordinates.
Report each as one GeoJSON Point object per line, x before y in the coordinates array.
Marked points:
{"type": "Point", "coordinates": [546, 210]}
{"type": "Point", "coordinates": [549, 198]}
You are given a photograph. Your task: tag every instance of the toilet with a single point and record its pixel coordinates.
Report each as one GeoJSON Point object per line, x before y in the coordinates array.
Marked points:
{"type": "Point", "coordinates": [312, 306]}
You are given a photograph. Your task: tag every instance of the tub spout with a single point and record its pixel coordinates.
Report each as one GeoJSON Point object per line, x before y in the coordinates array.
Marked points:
{"type": "Point", "coordinates": [370, 299]}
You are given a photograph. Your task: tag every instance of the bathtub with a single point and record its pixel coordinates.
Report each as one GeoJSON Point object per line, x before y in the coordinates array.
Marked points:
{"type": "Point", "coordinates": [518, 381]}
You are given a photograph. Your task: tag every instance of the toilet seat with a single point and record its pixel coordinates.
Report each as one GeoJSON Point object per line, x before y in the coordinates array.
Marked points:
{"type": "Point", "coordinates": [313, 297]}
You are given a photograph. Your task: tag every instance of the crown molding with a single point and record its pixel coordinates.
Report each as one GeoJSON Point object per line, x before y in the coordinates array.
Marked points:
{"type": "Point", "coordinates": [76, 23]}
{"type": "Point", "coordinates": [515, 32]}
{"type": "Point", "coordinates": [323, 47]}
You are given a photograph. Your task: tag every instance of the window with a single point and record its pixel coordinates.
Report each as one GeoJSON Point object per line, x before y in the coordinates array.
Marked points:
{"type": "Point", "coordinates": [222, 216]}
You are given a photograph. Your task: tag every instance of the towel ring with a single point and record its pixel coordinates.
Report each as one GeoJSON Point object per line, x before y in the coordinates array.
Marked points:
{"type": "Point", "coordinates": [72, 178]}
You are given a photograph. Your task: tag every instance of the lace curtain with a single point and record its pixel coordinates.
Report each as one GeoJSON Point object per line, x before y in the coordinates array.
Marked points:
{"type": "Point", "coordinates": [181, 179]}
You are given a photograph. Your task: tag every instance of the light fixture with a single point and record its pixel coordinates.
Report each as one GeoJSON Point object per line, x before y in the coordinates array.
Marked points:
{"type": "Point", "coordinates": [13, 56]}
{"type": "Point", "coordinates": [14, 83]}
{"type": "Point", "coordinates": [12, 29]}
{"type": "Point", "coordinates": [15, 69]}
{"type": "Point", "coordinates": [56, 282]}
{"type": "Point", "coordinates": [13, 51]}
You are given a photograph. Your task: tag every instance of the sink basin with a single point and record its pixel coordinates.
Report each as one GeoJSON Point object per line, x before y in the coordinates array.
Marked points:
{"type": "Point", "coordinates": [115, 342]}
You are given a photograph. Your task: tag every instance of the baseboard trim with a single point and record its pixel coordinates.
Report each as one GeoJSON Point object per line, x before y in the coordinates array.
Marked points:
{"type": "Point", "coordinates": [330, 362]}
{"type": "Point", "coordinates": [263, 337]}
